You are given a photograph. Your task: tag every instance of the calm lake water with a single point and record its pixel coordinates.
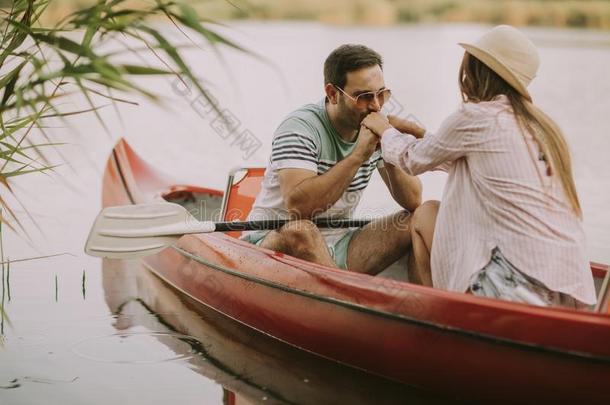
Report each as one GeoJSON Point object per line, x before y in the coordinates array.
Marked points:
{"type": "Point", "coordinates": [80, 330]}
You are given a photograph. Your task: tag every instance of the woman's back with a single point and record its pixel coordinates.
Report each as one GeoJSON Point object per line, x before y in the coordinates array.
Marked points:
{"type": "Point", "coordinates": [498, 194]}
{"type": "Point", "coordinates": [510, 207]}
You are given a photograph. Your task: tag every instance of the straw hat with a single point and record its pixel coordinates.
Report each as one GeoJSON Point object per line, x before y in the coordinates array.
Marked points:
{"type": "Point", "coordinates": [509, 53]}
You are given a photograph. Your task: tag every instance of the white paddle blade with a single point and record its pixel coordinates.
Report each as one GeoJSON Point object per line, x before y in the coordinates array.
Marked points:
{"type": "Point", "coordinates": [134, 231]}
{"type": "Point", "coordinates": [128, 248]}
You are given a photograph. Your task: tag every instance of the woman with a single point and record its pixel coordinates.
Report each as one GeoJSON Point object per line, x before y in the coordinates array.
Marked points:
{"type": "Point", "coordinates": [509, 225]}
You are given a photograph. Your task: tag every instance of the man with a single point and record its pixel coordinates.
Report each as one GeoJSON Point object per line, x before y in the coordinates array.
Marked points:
{"type": "Point", "coordinates": [321, 161]}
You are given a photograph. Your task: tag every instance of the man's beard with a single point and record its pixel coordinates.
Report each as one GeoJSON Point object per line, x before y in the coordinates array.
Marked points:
{"type": "Point", "coordinates": [352, 119]}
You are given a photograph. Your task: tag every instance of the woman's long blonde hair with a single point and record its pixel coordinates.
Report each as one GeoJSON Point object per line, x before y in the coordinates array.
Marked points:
{"type": "Point", "coordinates": [479, 83]}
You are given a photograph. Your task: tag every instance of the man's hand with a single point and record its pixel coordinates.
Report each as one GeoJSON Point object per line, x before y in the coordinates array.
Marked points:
{"type": "Point", "coordinates": [376, 122]}
{"type": "Point", "coordinates": [306, 194]}
{"type": "Point", "coordinates": [366, 144]}
{"type": "Point", "coordinates": [406, 126]}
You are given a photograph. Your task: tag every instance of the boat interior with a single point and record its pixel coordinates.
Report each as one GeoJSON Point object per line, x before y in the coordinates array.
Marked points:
{"type": "Point", "coordinates": [243, 185]}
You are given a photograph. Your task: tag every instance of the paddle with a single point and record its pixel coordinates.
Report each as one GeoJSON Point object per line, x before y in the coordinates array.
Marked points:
{"type": "Point", "coordinates": [133, 231]}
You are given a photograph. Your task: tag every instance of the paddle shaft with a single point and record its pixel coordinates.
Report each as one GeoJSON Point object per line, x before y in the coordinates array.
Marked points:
{"type": "Point", "coordinates": [133, 231]}
{"type": "Point", "coordinates": [270, 224]}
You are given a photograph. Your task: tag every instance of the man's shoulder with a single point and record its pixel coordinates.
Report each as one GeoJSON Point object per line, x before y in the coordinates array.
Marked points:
{"type": "Point", "coordinates": [306, 120]}
{"type": "Point", "coordinates": [309, 110]}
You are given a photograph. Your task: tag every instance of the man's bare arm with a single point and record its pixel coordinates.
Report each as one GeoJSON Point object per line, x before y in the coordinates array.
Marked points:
{"type": "Point", "coordinates": [404, 188]}
{"type": "Point", "coordinates": [306, 194]}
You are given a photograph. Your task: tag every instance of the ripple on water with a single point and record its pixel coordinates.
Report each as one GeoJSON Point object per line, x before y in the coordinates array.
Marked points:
{"type": "Point", "coordinates": [138, 348]}
{"type": "Point", "coordinates": [26, 340]}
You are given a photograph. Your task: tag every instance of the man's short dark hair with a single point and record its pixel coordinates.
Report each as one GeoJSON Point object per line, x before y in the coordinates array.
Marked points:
{"type": "Point", "coordinates": [348, 58]}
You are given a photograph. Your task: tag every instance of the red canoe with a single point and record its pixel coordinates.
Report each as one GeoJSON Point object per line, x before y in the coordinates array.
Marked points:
{"type": "Point", "coordinates": [461, 345]}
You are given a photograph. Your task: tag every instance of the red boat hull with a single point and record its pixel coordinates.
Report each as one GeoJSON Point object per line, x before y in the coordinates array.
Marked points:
{"type": "Point", "coordinates": [461, 345]}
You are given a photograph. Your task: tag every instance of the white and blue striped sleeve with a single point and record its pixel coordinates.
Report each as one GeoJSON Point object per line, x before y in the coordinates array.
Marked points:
{"type": "Point", "coordinates": [294, 151]}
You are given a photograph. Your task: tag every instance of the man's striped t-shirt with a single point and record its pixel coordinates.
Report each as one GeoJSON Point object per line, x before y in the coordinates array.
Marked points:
{"type": "Point", "coordinates": [307, 140]}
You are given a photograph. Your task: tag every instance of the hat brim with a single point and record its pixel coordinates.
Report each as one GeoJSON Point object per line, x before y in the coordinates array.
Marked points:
{"type": "Point", "coordinates": [494, 64]}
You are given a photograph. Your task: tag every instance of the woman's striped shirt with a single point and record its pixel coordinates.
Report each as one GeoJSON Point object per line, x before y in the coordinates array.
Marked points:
{"type": "Point", "coordinates": [498, 194]}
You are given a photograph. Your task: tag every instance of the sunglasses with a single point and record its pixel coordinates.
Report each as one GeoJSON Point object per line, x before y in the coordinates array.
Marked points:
{"type": "Point", "coordinates": [365, 99]}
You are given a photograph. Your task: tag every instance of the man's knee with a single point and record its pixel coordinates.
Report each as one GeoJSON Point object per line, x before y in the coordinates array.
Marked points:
{"type": "Point", "coordinates": [402, 221]}
{"type": "Point", "coordinates": [425, 215]}
{"type": "Point", "coordinates": [428, 208]}
{"type": "Point", "coordinates": [300, 234]}
{"type": "Point", "coordinates": [274, 241]}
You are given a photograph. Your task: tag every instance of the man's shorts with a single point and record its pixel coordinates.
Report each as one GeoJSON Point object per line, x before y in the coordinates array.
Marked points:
{"type": "Point", "coordinates": [338, 250]}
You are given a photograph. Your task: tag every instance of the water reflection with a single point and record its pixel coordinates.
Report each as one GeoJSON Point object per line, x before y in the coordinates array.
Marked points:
{"type": "Point", "coordinates": [136, 347]}
{"type": "Point", "coordinates": [252, 366]}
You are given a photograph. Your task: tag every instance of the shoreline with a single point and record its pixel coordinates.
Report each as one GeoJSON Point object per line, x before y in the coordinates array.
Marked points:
{"type": "Point", "coordinates": [593, 14]}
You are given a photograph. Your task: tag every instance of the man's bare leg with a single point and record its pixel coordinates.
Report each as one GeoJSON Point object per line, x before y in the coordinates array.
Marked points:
{"type": "Point", "coordinates": [302, 239]}
{"type": "Point", "coordinates": [422, 232]}
{"type": "Point", "coordinates": [380, 243]}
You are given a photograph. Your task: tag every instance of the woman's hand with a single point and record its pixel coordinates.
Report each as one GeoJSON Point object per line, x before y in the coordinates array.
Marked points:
{"type": "Point", "coordinates": [406, 126]}
{"type": "Point", "coordinates": [376, 122]}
